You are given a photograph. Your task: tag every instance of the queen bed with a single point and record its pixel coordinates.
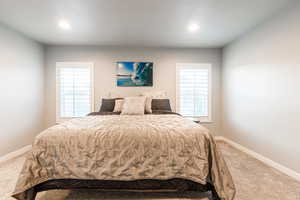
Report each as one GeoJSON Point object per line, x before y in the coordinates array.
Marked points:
{"type": "Point", "coordinates": [158, 151]}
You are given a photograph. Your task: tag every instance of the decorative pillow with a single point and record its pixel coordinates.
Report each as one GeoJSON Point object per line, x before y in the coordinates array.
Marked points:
{"type": "Point", "coordinates": [134, 106]}
{"type": "Point", "coordinates": [161, 104]}
{"type": "Point", "coordinates": [148, 105]}
{"type": "Point", "coordinates": [107, 105]}
{"type": "Point", "coordinates": [153, 95]}
{"type": "Point", "coordinates": [118, 105]}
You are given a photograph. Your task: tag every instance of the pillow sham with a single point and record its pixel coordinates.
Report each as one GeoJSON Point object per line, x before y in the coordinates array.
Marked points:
{"type": "Point", "coordinates": [134, 106]}
{"type": "Point", "coordinates": [153, 95]}
{"type": "Point", "coordinates": [161, 104]}
{"type": "Point", "coordinates": [108, 105]}
{"type": "Point", "coordinates": [118, 105]}
{"type": "Point", "coordinates": [148, 104]}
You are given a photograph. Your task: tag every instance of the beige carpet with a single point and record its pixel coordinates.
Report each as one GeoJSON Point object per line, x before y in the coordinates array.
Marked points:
{"type": "Point", "coordinates": [253, 180]}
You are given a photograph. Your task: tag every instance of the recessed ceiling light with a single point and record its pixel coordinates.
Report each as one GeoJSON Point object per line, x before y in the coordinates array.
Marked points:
{"type": "Point", "coordinates": [193, 27]}
{"type": "Point", "coordinates": [64, 24]}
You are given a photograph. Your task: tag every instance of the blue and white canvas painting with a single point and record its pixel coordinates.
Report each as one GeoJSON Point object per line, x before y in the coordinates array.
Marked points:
{"type": "Point", "coordinates": [132, 74]}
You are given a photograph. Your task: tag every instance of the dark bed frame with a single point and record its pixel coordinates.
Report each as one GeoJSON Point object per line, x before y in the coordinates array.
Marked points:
{"type": "Point", "coordinates": [177, 186]}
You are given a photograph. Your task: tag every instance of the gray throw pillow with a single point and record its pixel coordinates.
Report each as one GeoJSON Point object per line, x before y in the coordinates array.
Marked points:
{"type": "Point", "coordinates": [161, 104]}
{"type": "Point", "coordinates": [107, 105]}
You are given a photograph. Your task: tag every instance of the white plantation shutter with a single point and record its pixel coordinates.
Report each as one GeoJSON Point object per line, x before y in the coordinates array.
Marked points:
{"type": "Point", "coordinates": [74, 89]}
{"type": "Point", "coordinates": [193, 90]}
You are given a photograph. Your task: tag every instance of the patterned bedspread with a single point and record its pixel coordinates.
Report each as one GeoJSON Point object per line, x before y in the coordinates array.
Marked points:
{"type": "Point", "coordinates": [122, 147]}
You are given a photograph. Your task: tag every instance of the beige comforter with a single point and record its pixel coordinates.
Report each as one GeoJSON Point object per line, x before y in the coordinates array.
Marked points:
{"type": "Point", "coordinates": [126, 148]}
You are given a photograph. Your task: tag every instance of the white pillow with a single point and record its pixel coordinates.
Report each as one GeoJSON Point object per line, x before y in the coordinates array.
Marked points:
{"type": "Point", "coordinates": [148, 105]}
{"type": "Point", "coordinates": [134, 106]}
{"type": "Point", "coordinates": [118, 105]}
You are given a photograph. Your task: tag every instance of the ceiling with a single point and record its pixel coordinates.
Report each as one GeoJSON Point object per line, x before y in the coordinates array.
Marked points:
{"type": "Point", "coordinates": [137, 22]}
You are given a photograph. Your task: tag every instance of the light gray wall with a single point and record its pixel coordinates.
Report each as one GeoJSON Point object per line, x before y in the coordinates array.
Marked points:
{"type": "Point", "coordinates": [21, 86]}
{"type": "Point", "coordinates": [261, 89]}
{"type": "Point", "coordinates": [105, 59]}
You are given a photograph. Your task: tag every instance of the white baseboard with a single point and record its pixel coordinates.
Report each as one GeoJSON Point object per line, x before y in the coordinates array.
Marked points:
{"type": "Point", "coordinates": [15, 154]}
{"type": "Point", "coordinates": [261, 158]}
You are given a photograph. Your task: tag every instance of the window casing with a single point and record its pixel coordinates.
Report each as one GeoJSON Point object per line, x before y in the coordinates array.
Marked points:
{"type": "Point", "coordinates": [193, 90]}
{"type": "Point", "coordinates": [74, 89]}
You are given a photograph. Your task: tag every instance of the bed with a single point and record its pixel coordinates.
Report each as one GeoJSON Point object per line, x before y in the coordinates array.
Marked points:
{"type": "Point", "coordinates": [159, 151]}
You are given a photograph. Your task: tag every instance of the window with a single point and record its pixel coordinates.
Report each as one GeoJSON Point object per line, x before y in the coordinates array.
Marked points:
{"type": "Point", "coordinates": [74, 90]}
{"type": "Point", "coordinates": [193, 90]}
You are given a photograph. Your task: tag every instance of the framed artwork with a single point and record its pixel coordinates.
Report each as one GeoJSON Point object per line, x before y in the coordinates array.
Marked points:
{"type": "Point", "coordinates": [134, 74]}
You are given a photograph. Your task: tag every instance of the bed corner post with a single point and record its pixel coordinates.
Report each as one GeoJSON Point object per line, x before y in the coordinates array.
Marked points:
{"type": "Point", "coordinates": [214, 194]}
{"type": "Point", "coordinates": [31, 194]}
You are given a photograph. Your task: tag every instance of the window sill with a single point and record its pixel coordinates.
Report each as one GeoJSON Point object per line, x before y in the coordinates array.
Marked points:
{"type": "Point", "coordinates": [199, 120]}
{"type": "Point", "coordinates": [206, 122]}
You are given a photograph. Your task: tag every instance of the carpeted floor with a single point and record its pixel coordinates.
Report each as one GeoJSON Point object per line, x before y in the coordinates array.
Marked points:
{"type": "Point", "coordinates": [253, 180]}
